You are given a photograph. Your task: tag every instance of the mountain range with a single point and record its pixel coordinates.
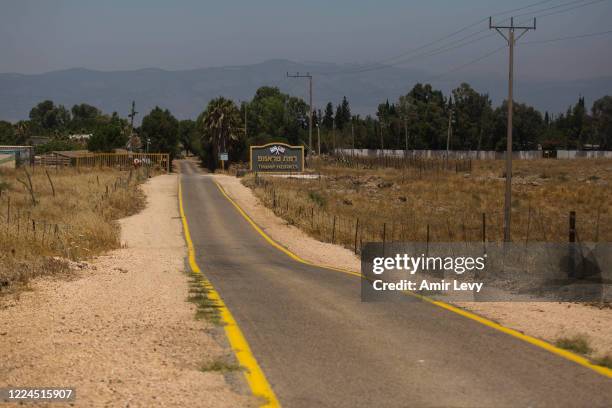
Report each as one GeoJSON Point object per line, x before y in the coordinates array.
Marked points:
{"type": "Point", "coordinates": [185, 93]}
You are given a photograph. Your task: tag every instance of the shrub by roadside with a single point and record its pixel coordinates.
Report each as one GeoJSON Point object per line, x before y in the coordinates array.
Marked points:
{"type": "Point", "coordinates": [51, 217]}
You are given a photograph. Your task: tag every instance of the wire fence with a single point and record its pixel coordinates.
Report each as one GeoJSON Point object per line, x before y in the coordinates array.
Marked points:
{"type": "Point", "coordinates": [422, 165]}
{"type": "Point", "coordinates": [532, 225]}
{"type": "Point", "coordinates": [18, 226]}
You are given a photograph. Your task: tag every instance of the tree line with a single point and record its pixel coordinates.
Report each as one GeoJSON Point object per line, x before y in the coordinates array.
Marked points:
{"type": "Point", "coordinates": [424, 118]}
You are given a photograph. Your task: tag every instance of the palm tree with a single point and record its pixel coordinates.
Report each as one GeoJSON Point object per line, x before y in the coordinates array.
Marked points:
{"type": "Point", "coordinates": [220, 122]}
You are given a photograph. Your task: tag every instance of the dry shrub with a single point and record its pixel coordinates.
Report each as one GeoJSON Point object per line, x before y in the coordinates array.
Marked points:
{"type": "Point", "coordinates": [75, 224]}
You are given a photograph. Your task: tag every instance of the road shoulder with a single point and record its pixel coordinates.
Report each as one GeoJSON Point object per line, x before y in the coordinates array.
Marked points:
{"type": "Point", "coordinates": [121, 332]}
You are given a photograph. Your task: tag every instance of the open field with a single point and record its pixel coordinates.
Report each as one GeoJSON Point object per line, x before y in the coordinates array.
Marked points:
{"type": "Point", "coordinates": [353, 205]}
{"type": "Point", "coordinates": [63, 215]}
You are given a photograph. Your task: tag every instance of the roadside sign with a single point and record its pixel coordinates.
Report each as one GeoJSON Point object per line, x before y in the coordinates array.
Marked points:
{"type": "Point", "coordinates": [277, 158]}
{"type": "Point", "coordinates": [223, 156]}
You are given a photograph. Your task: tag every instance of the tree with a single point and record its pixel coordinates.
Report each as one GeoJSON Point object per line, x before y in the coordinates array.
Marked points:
{"type": "Point", "coordinates": [527, 127]}
{"type": "Point", "coordinates": [161, 129]}
{"type": "Point", "coordinates": [220, 124]}
{"type": "Point", "coordinates": [106, 137]}
{"type": "Point", "coordinates": [425, 110]}
{"type": "Point", "coordinates": [188, 136]}
{"type": "Point", "coordinates": [84, 118]}
{"type": "Point", "coordinates": [48, 118]}
{"type": "Point", "coordinates": [602, 122]}
{"type": "Point", "coordinates": [328, 116]}
{"type": "Point", "coordinates": [273, 115]}
{"type": "Point", "coordinates": [343, 114]}
{"type": "Point", "coordinates": [7, 133]}
{"type": "Point", "coordinates": [472, 114]}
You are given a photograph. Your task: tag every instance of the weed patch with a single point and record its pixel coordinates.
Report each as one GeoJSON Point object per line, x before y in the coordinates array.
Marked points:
{"type": "Point", "coordinates": [578, 344]}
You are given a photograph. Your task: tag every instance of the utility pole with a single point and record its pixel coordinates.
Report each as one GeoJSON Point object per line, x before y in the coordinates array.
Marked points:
{"type": "Point", "coordinates": [298, 75]}
{"type": "Point", "coordinates": [334, 134]}
{"type": "Point", "coordinates": [406, 135]}
{"type": "Point", "coordinates": [319, 139]}
{"type": "Point", "coordinates": [245, 119]}
{"type": "Point", "coordinates": [353, 136]}
{"type": "Point", "coordinates": [131, 116]}
{"type": "Point", "coordinates": [511, 40]}
{"type": "Point", "coordinates": [449, 132]}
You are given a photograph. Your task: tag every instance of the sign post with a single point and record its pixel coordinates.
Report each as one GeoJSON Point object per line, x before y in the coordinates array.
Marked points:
{"type": "Point", "coordinates": [223, 157]}
{"type": "Point", "coordinates": [277, 158]}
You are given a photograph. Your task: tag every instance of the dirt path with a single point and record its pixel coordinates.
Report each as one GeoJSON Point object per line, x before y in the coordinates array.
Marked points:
{"type": "Point", "coordinates": [548, 321]}
{"type": "Point", "coordinates": [122, 332]}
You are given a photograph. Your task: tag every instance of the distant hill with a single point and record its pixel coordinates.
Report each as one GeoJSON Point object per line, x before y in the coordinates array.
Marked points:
{"type": "Point", "coordinates": [186, 93]}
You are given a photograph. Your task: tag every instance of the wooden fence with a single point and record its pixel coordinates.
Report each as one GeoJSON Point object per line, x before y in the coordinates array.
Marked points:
{"type": "Point", "coordinates": [123, 160]}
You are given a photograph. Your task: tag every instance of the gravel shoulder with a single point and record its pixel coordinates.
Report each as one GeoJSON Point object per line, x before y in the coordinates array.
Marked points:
{"type": "Point", "coordinates": [548, 321]}
{"type": "Point", "coordinates": [120, 329]}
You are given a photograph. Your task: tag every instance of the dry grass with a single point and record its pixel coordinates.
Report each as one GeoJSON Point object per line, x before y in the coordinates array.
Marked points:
{"type": "Point", "coordinates": [405, 204]}
{"type": "Point", "coordinates": [75, 224]}
{"type": "Point", "coordinates": [578, 344]}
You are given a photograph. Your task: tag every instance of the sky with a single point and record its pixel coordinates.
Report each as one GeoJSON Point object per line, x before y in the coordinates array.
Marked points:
{"type": "Point", "coordinates": [41, 36]}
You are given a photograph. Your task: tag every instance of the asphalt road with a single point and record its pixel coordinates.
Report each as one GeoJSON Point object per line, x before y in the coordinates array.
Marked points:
{"type": "Point", "coordinates": [320, 346]}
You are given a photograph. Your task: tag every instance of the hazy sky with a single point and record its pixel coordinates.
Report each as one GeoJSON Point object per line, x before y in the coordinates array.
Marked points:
{"type": "Point", "coordinates": [40, 36]}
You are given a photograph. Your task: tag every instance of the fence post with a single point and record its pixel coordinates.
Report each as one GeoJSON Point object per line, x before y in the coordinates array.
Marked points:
{"type": "Point", "coordinates": [51, 182]}
{"type": "Point", "coordinates": [333, 230]}
{"type": "Point", "coordinates": [312, 217]}
{"type": "Point", "coordinates": [572, 272]}
{"type": "Point", "coordinates": [384, 236]}
{"type": "Point", "coordinates": [572, 226]}
{"type": "Point", "coordinates": [484, 227]}
{"type": "Point", "coordinates": [356, 231]}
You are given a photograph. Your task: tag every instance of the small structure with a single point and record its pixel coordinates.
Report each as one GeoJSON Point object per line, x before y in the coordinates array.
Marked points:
{"type": "Point", "coordinates": [18, 155]}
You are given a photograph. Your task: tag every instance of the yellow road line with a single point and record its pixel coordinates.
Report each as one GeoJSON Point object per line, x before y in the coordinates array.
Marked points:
{"type": "Point", "coordinates": [276, 244]}
{"type": "Point", "coordinates": [254, 375]}
{"type": "Point", "coordinates": [514, 333]}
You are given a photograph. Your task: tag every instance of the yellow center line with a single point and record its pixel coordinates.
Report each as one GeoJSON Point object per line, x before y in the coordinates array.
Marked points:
{"type": "Point", "coordinates": [253, 373]}
{"type": "Point", "coordinates": [606, 372]}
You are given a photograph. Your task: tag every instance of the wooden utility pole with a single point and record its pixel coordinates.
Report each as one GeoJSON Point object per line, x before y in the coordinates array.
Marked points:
{"type": "Point", "coordinates": [449, 131]}
{"type": "Point", "coordinates": [245, 120]}
{"type": "Point", "coordinates": [132, 114]}
{"type": "Point", "coordinates": [406, 133]}
{"type": "Point", "coordinates": [511, 40]}
{"type": "Point", "coordinates": [334, 134]}
{"type": "Point", "coordinates": [318, 139]}
{"type": "Point", "coordinates": [298, 75]}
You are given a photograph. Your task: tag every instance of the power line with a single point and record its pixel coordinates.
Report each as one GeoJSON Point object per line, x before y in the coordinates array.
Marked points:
{"type": "Point", "coordinates": [535, 12]}
{"type": "Point", "coordinates": [425, 54]}
{"type": "Point", "coordinates": [572, 37]}
{"type": "Point", "coordinates": [383, 63]}
{"type": "Point", "coordinates": [466, 28]}
{"type": "Point", "coordinates": [488, 54]}
{"type": "Point", "coordinates": [457, 68]}
{"type": "Point", "coordinates": [564, 10]}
